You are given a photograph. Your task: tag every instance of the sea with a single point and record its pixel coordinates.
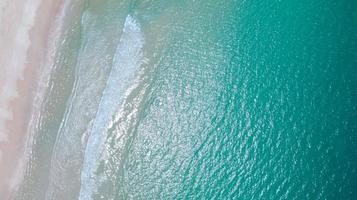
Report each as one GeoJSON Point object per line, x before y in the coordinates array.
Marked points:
{"type": "Point", "coordinates": [199, 99]}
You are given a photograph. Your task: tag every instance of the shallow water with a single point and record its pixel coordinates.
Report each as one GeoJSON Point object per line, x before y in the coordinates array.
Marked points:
{"type": "Point", "coordinates": [199, 99]}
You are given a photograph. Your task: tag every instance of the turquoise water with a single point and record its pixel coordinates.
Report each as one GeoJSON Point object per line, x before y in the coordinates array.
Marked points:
{"type": "Point", "coordinates": [200, 100]}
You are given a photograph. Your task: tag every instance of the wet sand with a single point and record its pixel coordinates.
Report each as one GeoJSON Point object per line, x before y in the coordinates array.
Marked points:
{"type": "Point", "coordinates": [24, 35]}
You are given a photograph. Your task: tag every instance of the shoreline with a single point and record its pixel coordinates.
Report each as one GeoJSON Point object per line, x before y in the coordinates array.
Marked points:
{"type": "Point", "coordinates": [26, 37]}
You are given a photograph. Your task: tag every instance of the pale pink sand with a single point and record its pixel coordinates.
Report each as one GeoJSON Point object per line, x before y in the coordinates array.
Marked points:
{"type": "Point", "coordinates": [24, 31]}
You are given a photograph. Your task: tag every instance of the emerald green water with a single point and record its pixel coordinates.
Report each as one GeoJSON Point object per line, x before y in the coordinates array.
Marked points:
{"type": "Point", "coordinates": [230, 100]}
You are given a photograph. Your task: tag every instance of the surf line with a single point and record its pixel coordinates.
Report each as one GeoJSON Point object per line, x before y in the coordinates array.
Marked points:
{"type": "Point", "coordinates": [127, 60]}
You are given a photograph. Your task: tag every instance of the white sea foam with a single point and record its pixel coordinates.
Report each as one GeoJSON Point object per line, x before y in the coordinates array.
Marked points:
{"type": "Point", "coordinates": [127, 60]}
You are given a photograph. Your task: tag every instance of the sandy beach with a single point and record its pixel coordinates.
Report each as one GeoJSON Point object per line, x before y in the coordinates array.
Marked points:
{"type": "Point", "coordinates": [24, 35]}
